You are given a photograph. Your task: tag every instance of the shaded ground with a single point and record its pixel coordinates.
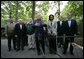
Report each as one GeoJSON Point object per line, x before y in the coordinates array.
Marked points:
{"type": "Point", "coordinates": [78, 53]}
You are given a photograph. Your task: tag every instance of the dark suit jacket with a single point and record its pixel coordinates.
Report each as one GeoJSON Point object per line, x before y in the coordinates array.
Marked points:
{"type": "Point", "coordinates": [60, 28]}
{"type": "Point", "coordinates": [72, 29]}
{"type": "Point", "coordinates": [20, 32]}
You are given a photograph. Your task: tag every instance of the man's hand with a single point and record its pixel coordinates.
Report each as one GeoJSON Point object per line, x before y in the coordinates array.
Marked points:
{"type": "Point", "coordinates": [43, 22]}
{"type": "Point", "coordinates": [51, 34]}
{"type": "Point", "coordinates": [75, 35]}
{"type": "Point", "coordinates": [37, 24]}
{"type": "Point", "coordinates": [6, 35]}
{"type": "Point", "coordinates": [73, 44]}
{"type": "Point", "coordinates": [15, 35]}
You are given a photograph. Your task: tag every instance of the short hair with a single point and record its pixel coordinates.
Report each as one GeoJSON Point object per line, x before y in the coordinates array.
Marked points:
{"type": "Point", "coordinates": [69, 14]}
{"type": "Point", "coordinates": [59, 16]}
{"type": "Point", "coordinates": [51, 16]}
{"type": "Point", "coordinates": [11, 19]}
{"type": "Point", "coordinates": [38, 14]}
{"type": "Point", "coordinates": [19, 19]}
{"type": "Point", "coordinates": [30, 18]}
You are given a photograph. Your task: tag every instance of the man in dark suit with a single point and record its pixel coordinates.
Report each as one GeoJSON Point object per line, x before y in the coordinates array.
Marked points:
{"type": "Point", "coordinates": [60, 31]}
{"type": "Point", "coordinates": [20, 32]}
{"type": "Point", "coordinates": [39, 37]}
{"type": "Point", "coordinates": [70, 30]}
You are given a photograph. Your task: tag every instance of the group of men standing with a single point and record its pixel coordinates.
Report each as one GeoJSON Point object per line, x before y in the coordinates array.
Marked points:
{"type": "Point", "coordinates": [32, 33]}
{"type": "Point", "coordinates": [69, 29]}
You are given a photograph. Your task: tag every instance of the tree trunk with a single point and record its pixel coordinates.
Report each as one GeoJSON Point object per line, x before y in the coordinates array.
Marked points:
{"type": "Point", "coordinates": [10, 10]}
{"type": "Point", "coordinates": [33, 10]}
{"type": "Point", "coordinates": [58, 8]}
{"type": "Point", "coordinates": [16, 11]}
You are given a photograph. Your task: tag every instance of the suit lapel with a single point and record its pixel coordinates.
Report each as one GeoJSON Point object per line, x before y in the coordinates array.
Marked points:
{"type": "Point", "coordinates": [71, 23]}
{"type": "Point", "coordinates": [67, 23]}
{"type": "Point", "coordinates": [22, 26]}
{"type": "Point", "coordinates": [19, 26]}
{"type": "Point", "coordinates": [59, 23]}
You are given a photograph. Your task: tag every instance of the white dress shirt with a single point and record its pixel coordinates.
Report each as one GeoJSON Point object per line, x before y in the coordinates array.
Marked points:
{"type": "Point", "coordinates": [60, 22]}
{"type": "Point", "coordinates": [69, 23]}
{"type": "Point", "coordinates": [20, 26]}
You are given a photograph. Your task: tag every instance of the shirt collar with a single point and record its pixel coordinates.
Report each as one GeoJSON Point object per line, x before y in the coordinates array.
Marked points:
{"type": "Point", "coordinates": [60, 20]}
{"type": "Point", "coordinates": [30, 23]}
{"type": "Point", "coordinates": [11, 23]}
{"type": "Point", "coordinates": [69, 19]}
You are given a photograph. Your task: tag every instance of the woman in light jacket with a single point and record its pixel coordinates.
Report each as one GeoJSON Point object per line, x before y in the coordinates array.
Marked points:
{"type": "Point", "coordinates": [52, 32]}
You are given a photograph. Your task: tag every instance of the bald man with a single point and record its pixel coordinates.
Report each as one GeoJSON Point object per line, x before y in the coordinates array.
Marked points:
{"type": "Point", "coordinates": [10, 33]}
{"type": "Point", "coordinates": [20, 32]}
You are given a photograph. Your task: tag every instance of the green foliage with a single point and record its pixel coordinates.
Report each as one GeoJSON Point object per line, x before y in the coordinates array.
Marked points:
{"type": "Point", "coordinates": [25, 10]}
{"type": "Point", "coordinates": [3, 33]}
{"type": "Point", "coordinates": [76, 9]}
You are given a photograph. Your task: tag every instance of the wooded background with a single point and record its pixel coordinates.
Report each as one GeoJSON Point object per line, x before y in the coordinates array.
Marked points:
{"type": "Point", "coordinates": [27, 9]}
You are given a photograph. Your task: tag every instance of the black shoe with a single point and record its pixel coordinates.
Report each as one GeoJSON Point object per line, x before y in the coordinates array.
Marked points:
{"type": "Point", "coordinates": [9, 50]}
{"type": "Point", "coordinates": [71, 53]}
{"type": "Point", "coordinates": [14, 48]}
{"type": "Point", "coordinates": [17, 49]}
{"type": "Point", "coordinates": [22, 49]}
{"type": "Point", "coordinates": [26, 45]}
{"type": "Point", "coordinates": [30, 49]}
{"type": "Point", "coordinates": [33, 48]}
{"type": "Point", "coordinates": [39, 53]}
{"type": "Point", "coordinates": [59, 46]}
{"type": "Point", "coordinates": [54, 52]}
{"type": "Point", "coordinates": [50, 52]}
{"type": "Point", "coordinates": [64, 52]}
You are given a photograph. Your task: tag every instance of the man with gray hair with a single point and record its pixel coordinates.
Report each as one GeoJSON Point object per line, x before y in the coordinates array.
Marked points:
{"type": "Point", "coordinates": [20, 32]}
{"type": "Point", "coordinates": [71, 29]}
{"type": "Point", "coordinates": [39, 37]}
{"type": "Point", "coordinates": [30, 34]}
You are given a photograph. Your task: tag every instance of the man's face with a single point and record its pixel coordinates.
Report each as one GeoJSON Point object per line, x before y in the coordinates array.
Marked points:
{"type": "Point", "coordinates": [11, 20]}
{"type": "Point", "coordinates": [38, 16]}
{"type": "Point", "coordinates": [30, 20]}
{"type": "Point", "coordinates": [20, 21]}
{"type": "Point", "coordinates": [69, 16]}
{"type": "Point", "coordinates": [60, 18]}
